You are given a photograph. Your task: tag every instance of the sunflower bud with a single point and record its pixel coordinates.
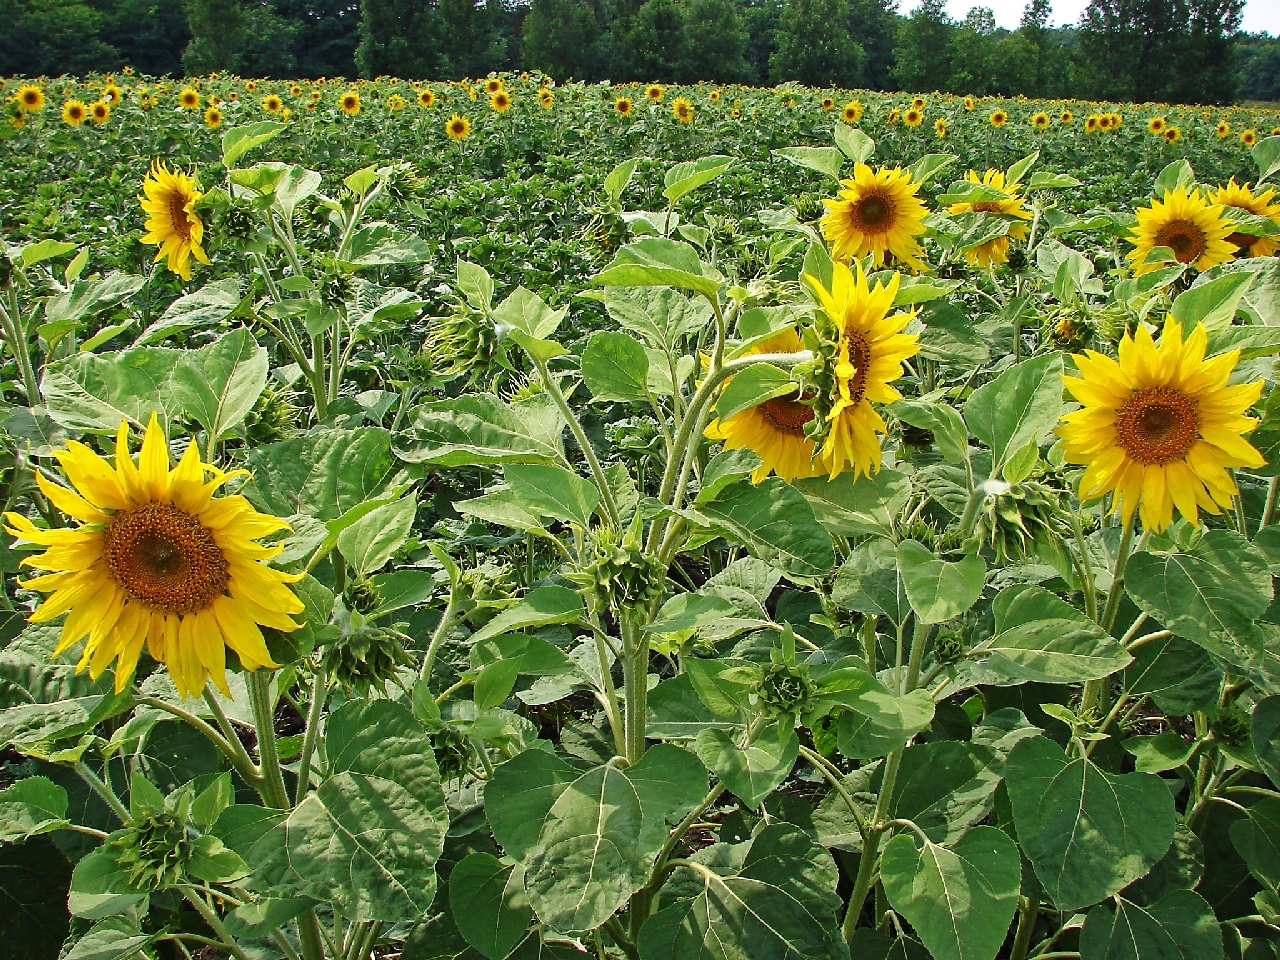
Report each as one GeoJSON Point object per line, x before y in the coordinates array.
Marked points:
{"type": "Point", "coordinates": [1018, 520]}
{"type": "Point", "coordinates": [1067, 329]}
{"type": "Point", "coordinates": [784, 688]}
{"type": "Point", "coordinates": [274, 417]}
{"type": "Point", "coordinates": [620, 574]}
{"type": "Point", "coordinates": [365, 656]}
{"type": "Point", "coordinates": [153, 851]}
{"type": "Point", "coordinates": [1232, 726]}
{"type": "Point", "coordinates": [452, 751]}
{"type": "Point", "coordinates": [466, 344]}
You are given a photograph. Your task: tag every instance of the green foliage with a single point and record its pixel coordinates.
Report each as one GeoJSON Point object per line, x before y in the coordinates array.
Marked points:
{"type": "Point", "coordinates": [814, 45]}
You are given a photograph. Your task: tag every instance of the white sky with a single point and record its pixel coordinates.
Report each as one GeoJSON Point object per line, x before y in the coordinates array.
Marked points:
{"type": "Point", "coordinates": [1258, 14]}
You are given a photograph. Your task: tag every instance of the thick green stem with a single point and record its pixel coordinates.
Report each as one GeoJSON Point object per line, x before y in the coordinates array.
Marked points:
{"type": "Point", "coordinates": [12, 320]}
{"type": "Point", "coordinates": [871, 846]}
{"type": "Point", "coordinates": [1030, 909]}
{"type": "Point", "coordinates": [1269, 510]}
{"type": "Point", "coordinates": [610, 698]}
{"type": "Point", "coordinates": [1095, 691]}
{"type": "Point", "coordinates": [215, 923]}
{"type": "Point", "coordinates": [102, 790]}
{"type": "Point", "coordinates": [273, 789]}
{"type": "Point", "coordinates": [635, 679]}
{"type": "Point", "coordinates": [319, 694]}
{"type": "Point", "coordinates": [437, 638]}
{"type": "Point", "coordinates": [239, 757]}
{"type": "Point", "coordinates": [1086, 562]}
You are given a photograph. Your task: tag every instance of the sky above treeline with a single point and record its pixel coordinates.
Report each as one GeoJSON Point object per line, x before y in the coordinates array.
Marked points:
{"type": "Point", "coordinates": [1259, 15]}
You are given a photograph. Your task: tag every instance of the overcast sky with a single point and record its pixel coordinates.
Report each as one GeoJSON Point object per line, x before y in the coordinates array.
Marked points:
{"type": "Point", "coordinates": [1258, 14]}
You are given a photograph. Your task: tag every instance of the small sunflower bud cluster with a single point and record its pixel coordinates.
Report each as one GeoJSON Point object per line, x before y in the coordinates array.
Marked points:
{"type": "Point", "coordinates": [1018, 520]}
{"type": "Point", "coordinates": [237, 225]}
{"type": "Point", "coordinates": [337, 289]}
{"type": "Point", "coordinates": [817, 377]}
{"type": "Point", "coordinates": [153, 850]}
{"type": "Point", "coordinates": [402, 181]}
{"type": "Point", "coordinates": [364, 656]}
{"type": "Point", "coordinates": [484, 591]}
{"type": "Point", "coordinates": [1068, 329]}
{"type": "Point", "coordinates": [609, 231]}
{"type": "Point", "coordinates": [784, 688]}
{"type": "Point", "coordinates": [453, 752]}
{"type": "Point", "coordinates": [950, 646]}
{"type": "Point", "coordinates": [465, 344]}
{"type": "Point", "coordinates": [1232, 726]}
{"type": "Point", "coordinates": [620, 574]}
{"type": "Point", "coordinates": [274, 417]}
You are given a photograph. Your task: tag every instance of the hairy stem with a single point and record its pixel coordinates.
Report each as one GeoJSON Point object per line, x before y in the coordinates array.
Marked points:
{"type": "Point", "coordinates": [273, 789]}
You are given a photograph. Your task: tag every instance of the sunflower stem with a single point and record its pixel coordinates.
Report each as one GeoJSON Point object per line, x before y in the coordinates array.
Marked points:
{"type": "Point", "coordinates": [442, 629]}
{"type": "Point", "coordinates": [273, 790]}
{"type": "Point", "coordinates": [1269, 511]}
{"type": "Point", "coordinates": [1095, 691]}
{"type": "Point", "coordinates": [105, 792]}
{"type": "Point", "coordinates": [1086, 578]}
{"type": "Point", "coordinates": [319, 694]}
{"type": "Point", "coordinates": [239, 758]}
{"type": "Point", "coordinates": [215, 923]}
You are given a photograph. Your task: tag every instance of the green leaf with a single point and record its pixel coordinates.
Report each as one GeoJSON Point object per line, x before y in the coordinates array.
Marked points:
{"type": "Point", "coordinates": [489, 904]}
{"type": "Point", "coordinates": [1040, 637]}
{"type": "Point", "coordinates": [849, 507]}
{"type": "Point", "coordinates": [495, 683]}
{"type": "Point", "coordinates": [619, 178]}
{"type": "Point", "coordinates": [32, 806]}
{"type": "Point", "coordinates": [677, 712]}
{"type": "Point", "coordinates": [663, 317]}
{"type": "Point", "coordinates": [930, 165]}
{"type": "Point", "coordinates": [879, 722]}
{"type": "Point", "coordinates": [481, 430]}
{"type": "Point", "coordinates": [1179, 926]}
{"type": "Point", "coordinates": [615, 367]}
{"type": "Point", "coordinates": [754, 385]}
{"type": "Point", "coordinates": [372, 540]}
{"type": "Point", "coordinates": [476, 285]}
{"type": "Point", "coordinates": [751, 774]}
{"type": "Point", "coordinates": [939, 589]}
{"type": "Point", "coordinates": [116, 938]}
{"type": "Point", "coordinates": [1266, 736]}
{"type": "Point", "coordinates": [958, 899]}
{"type": "Point", "coordinates": [360, 181]}
{"type": "Point", "coordinates": [324, 474]}
{"type": "Point", "coordinates": [868, 582]}
{"type": "Point", "coordinates": [42, 250]}
{"type": "Point", "coordinates": [776, 523]}
{"type": "Point", "coordinates": [684, 178]}
{"type": "Point", "coordinates": [656, 261]}
{"type": "Point", "coordinates": [526, 312]}
{"type": "Point", "coordinates": [1020, 406]}
{"type": "Point", "coordinates": [206, 308]}
{"type": "Point", "coordinates": [1042, 180]}
{"type": "Point", "coordinates": [219, 384]}
{"type": "Point", "coordinates": [669, 783]}
{"type": "Point", "coordinates": [92, 393]}
{"type": "Point", "coordinates": [553, 492]}
{"type": "Point", "coordinates": [239, 140]}
{"type": "Point", "coordinates": [584, 867]}
{"type": "Point", "coordinates": [1212, 303]}
{"type": "Point", "coordinates": [853, 143]}
{"type": "Point", "coordinates": [946, 425]}
{"type": "Point", "coordinates": [1266, 154]}
{"type": "Point", "coordinates": [688, 611]}
{"type": "Point", "coordinates": [502, 507]}
{"type": "Point", "coordinates": [99, 887]}
{"type": "Point", "coordinates": [1256, 838]}
{"type": "Point", "coordinates": [1156, 754]}
{"type": "Point", "coordinates": [1087, 833]}
{"type": "Point", "coordinates": [254, 920]}
{"type": "Point", "coordinates": [726, 467]}
{"type": "Point", "coordinates": [87, 298]}
{"type": "Point", "coordinates": [519, 796]}
{"type": "Point", "coordinates": [540, 607]}
{"type": "Point", "coordinates": [826, 160]}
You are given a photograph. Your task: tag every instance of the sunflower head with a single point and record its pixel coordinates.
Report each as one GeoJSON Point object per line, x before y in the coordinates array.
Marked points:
{"type": "Point", "coordinates": [968, 103]}
{"type": "Point", "coordinates": [500, 101]}
{"type": "Point", "coordinates": [272, 103]}
{"type": "Point", "coordinates": [917, 103]}
{"type": "Point", "coordinates": [913, 117]}
{"type": "Point", "coordinates": [349, 103]}
{"type": "Point", "coordinates": [493, 85]}
{"type": "Point", "coordinates": [100, 111]}
{"type": "Point", "coordinates": [111, 93]}
{"type": "Point", "coordinates": [714, 96]}
{"type": "Point", "coordinates": [74, 112]}
{"type": "Point", "coordinates": [1157, 125]}
{"type": "Point", "coordinates": [860, 353]}
{"type": "Point", "coordinates": [30, 97]}
{"type": "Point", "coordinates": [682, 110]}
{"type": "Point", "coordinates": [998, 118]}
{"type": "Point", "coordinates": [1223, 129]}
{"type": "Point", "coordinates": [546, 98]}
{"type": "Point", "coordinates": [1248, 137]}
{"type": "Point", "coordinates": [623, 106]}
{"type": "Point", "coordinates": [172, 224]}
{"type": "Point", "coordinates": [852, 111]}
{"type": "Point", "coordinates": [395, 102]}
{"type": "Point", "coordinates": [940, 127]}
{"type": "Point", "coordinates": [1255, 204]}
{"type": "Point", "coordinates": [1066, 116]}
{"type": "Point", "coordinates": [1040, 121]}
{"type": "Point", "coordinates": [1186, 223]}
{"type": "Point", "coordinates": [157, 560]}
{"type": "Point", "coordinates": [457, 127]}
{"type": "Point", "coordinates": [213, 118]}
{"type": "Point", "coordinates": [426, 97]}
{"type": "Point", "coordinates": [189, 98]}
{"type": "Point", "coordinates": [894, 115]}
{"type": "Point", "coordinates": [876, 212]}
{"type": "Point", "coordinates": [654, 92]}
{"type": "Point", "coordinates": [1161, 426]}
{"type": "Point", "coordinates": [1172, 134]}
{"type": "Point", "coordinates": [828, 103]}
{"type": "Point", "coordinates": [1009, 204]}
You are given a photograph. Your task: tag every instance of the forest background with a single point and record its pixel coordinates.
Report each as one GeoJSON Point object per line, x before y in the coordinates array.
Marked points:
{"type": "Point", "coordinates": [1184, 51]}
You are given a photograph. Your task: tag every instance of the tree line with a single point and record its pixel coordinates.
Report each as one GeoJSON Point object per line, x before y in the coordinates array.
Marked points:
{"type": "Point", "coordinates": [1159, 50]}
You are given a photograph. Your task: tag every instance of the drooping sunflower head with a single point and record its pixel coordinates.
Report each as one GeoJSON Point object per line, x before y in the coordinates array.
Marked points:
{"type": "Point", "coordinates": [1188, 224]}
{"type": "Point", "coordinates": [100, 111]}
{"type": "Point", "coordinates": [1157, 125]}
{"type": "Point", "coordinates": [213, 118]}
{"type": "Point", "coordinates": [172, 224]}
{"type": "Point", "coordinates": [1009, 204]}
{"type": "Point", "coordinates": [1040, 121]}
{"type": "Point", "coordinates": [500, 101]}
{"type": "Point", "coordinates": [157, 559]}
{"type": "Point", "coordinates": [775, 429]}
{"type": "Point", "coordinates": [426, 97]}
{"type": "Point", "coordinates": [682, 110]}
{"type": "Point", "coordinates": [30, 97]}
{"type": "Point", "coordinates": [349, 103]}
{"type": "Point", "coordinates": [623, 106]}
{"type": "Point", "coordinates": [1172, 134]}
{"type": "Point", "coordinates": [654, 92]}
{"type": "Point", "coordinates": [1160, 427]}
{"type": "Point", "coordinates": [458, 127]}
{"type": "Point", "coordinates": [913, 117]}
{"type": "Point", "coordinates": [998, 118]}
{"type": "Point", "coordinates": [1259, 205]}
{"type": "Point", "coordinates": [876, 212]}
{"type": "Point", "coordinates": [894, 116]}
{"type": "Point", "coordinates": [272, 103]}
{"type": "Point", "coordinates": [852, 111]}
{"type": "Point", "coordinates": [866, 350]}
{"type": "Point", "coordinates": [189, 98]}
{"type": "Point", "coordinates": [74, 112]}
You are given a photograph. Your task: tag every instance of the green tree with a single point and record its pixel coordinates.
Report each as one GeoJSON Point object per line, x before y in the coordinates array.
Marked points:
{"type": "Point", "coordinates": [328, 31]}
{"type": "Point", "coordinates": [269, 44]}
{"type": "Point", "coordinates": [400, 38]}
{"type": "Point", "coordinates": [761, 17]}
{"type": "Point", "coordinates": [150, 35]}
{"type": "Point", "coordinates": [469, 38]}
{"type": "Point", "coordinates": [873, 25]}
{"type": "Point", "coordinates": [1129, 48]}
{"type": "Point", "coordinates": [922, 57]}
{"type": "Point", "coordinates": [562, 38]}
{"type": "Point", "coordinates": [652, 45]}
{"type": "Point", "coordinates": [717, 42]}
{"type": "Point", "coordinates": [1206, 62]}
{"type": "Point", "coordinates": [814, 46]}
{"type": "Point", "coordinates": [972, 45]}
{"type": "Point", "coordinates": [1259, 73]}
{"type": "Point", "coordinates": [53, 37]}
{"type": "Point", "coordinates": [217, 35]}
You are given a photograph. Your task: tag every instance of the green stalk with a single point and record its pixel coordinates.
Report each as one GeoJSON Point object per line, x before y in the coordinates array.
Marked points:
{"type": "Point", "coordinates": [1094, 690]}
{"type": "Point", "coordinates": [635, 676]}
{"type": "Point", "coordinates": [102, 790]}
{"type": "Point", "coordinates": [12, 325]}
{"type": "Point", "coordinates": [211, 918]}
{"type": "Point", "coordinates": [239, 758]}
{"type": "Point", "coordinates": [437, 638]}
{"type": "Point", "coordinates": [259, 684]}
{"type": "Point", "coordinates": [1269, 510]}
{"type": "Point", "coordinates": [319, 694]}
{"type": "Point", "coordinates": [1030, 909]}
{"type": "Point", "coordinates": [1086, 579]}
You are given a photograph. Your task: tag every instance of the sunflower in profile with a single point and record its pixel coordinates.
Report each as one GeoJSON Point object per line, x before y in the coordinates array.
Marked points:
{"type": "Point", "coordinates": [852, 111]}
{"type": "Point", "coordinates": [1248, 137]}
{"type": "Point", "coordinates": [654, 92]}
{"type": "Point", "coordinates": [878, 213]}
{"type": "Point", "coordinates": [157, 559]}
{"type": "Point", "coordinates": [173, 226]}
{"type": "Point", "coordinates": [1188, 224]}
{"type": "Point", "coordinates": [1091, 124]}
{"type": "Point", "coordinates": [272, 103]}
{"type": "Point", "coordinates": [30, 97]}
{"type": "Point", "coordinates": [940, 128]}
{"type": "Point", "coordinates": [913, 117]}
{"type": "Point", "coordinates": [1258, 205]}
{"type": "Point", "coordinates": [998, 118]}
{"type": "Point", "coordinates": [870, 349]}
{"type": "Point", "coordinates": [1040, 121]}
{"type": "Point", "coordinates": [500, 101]}
{"type": "Point", "coordinates": [1066, 116]}
{"type": "Point", "coordinates": [213, 118]}
{"type": "Point", "coordinates": [995, 251]}
{"type": "Point", "coordinates": [968, 103]}
{"type": "Point", "coordinates": [99, 112]}
{"type": "Point", "coordinates": [189, 98]}
{"type": "Point", "coordinates": [458, 127]}
{"type": "Point", "coordinates": [1157, 125]}
{"type": "Point", "coordinates": [775, 429]}
{"type": "Point", "coordinates": [623, 106]}
{"type": "Point", "coordinates": [682, 110]}
{"type": "Point", "coordinates": [1172, 134]}
{"type": "Point", "coordinates": [349, 103]}
{"type": "Point", "coordinates": [1113, 120]}
{"type": "Point", "coordinates": [426, 97]}
{"type": "Point", "coordinates": [1161, 427]}
{"type": "Point", "coordinates": [74, 112]}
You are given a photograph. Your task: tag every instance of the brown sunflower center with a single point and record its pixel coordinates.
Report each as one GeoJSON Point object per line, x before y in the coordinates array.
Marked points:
{"type": "Point", "coordinates": [987, 206]}
{"type": "Point", "coordinates": [178, 214]}
{"type": "Point", "coordinates": [873, 213]}
{"type": "Point", "coordinates": [860, 357]}
{"type": "Point", "coordinates": [1158, 425]}
{"type": "Point", "coordinates": [787, 415]}
{"type": "Point", "coordinates": [1184, 238]}
{"type": "Point", "coordinates": [165, 558]}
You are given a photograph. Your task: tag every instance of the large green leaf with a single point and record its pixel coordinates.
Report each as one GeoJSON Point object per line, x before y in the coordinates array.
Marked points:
{"type": "Point", "coordinates": [1257, 839]}
{"type": "Point", "coordinates": [1266, 736]}
{"type": "Point", "coordinates": [958, 899]}
{"type": "Point", "coordinates": [219, 384]}
{"type": "Point", "coordinates": [116, 938]}
{"type": "Point", "coordinates": [205, 308]}
{"type": "Point", "coordinates": [656, 261]}
{"type": "Point", "coordinates": [92, 393]}
{"type": "Point", "coordinates": [615, 367]}
{"type": "Point", "coordinates": [869, 582]}
{"type": "Point", "coordinates": [583, 866]}
{"type": "Point", "coordinates": [30, 807]}
{"type": "Point", "coordinates": [519, 796]}
{"type": "Point", "coordinates": [551, 491]}
{"type": "Point", "coordinates": [1179, 926]}
{"type": "Point", "coordinates": [664, 317]}
{"type": "Point", "coordinates": [481, 430]}
{"type": "Point", "coordinates": [372, 539]}
{"type": "Point", "coordinates": [1019, 406]}
{"type": "Point", "coordinates": [86, 298]}
{"type": "Point", "coordinates": [939, 589]}
{"type": "Point", "coordinates": [1212, 303]}
{"type": "Point", "coordinates": [489, 904]}
{"type": "Point", "coordinates": [527, 313]}
{"type": "Point", "coordinates": [826, 160]}
{"type": "Point", "coordinates": [669, 783]}
{"type": "Point", "coordinates": [239, 140]}
{"type": "Point", "coordinates": [776, 523]}
{"type": "Point", "coordinates": [1087, 833]}
{"type": "Point", "coordinates": [323, 474]}
{"type": "Point", "coordinates": [753, 772]}
{"type": "Point", "coordinates": [1040, 637]}
{"type": "Point", "coordinates": [540, 607]}
{"type": "Point", "coordinates": [880, 722]}
{"type": "Point", "coordinates": [849, 507]}
{"type": "Point", "coordinates": [683, 178]}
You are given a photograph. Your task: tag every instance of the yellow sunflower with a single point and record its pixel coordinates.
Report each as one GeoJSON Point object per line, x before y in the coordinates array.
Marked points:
{"type": "Point", "coordinates": [1188, 224]}
{"type": "Point", "coordinates": [74, 112]}
{"type": "Point", "coordinates": [1160, 428]}
{"type": "Point", "coordinates": [493, 85]}
{"type": "Point", "coordinates": [917, 103]}
{"type": "Point", "coordinates": [546, 98]}
{"type": "Point", "coordinates": [828, 103]}
{"type": "Point", "coordinates": [272, 103]}
{"type": "Point", "coordinates": [173, 225]}
{"type": "Point", "coordinates": [893, 116]}
{"type": "Point", "coordinates": [877, 212]}
{"type": "Point", "coordinates": [1223, 129]}
{"type": "Point", "coordinates": [1040, 121]}
{"type": "Point", "coordinates": [189, 99]}
{"type": "Point", "coordinates": [654, 92]}
{"type": "Point", "coordinates": [682, 110]}
{"type": "Point", "coordinates": [1157, 125]}
{"type": "Point", "coordinates": [30, 97]}
{"type": "Point", "coordinates": [500, 101]}
{"type": "Point", "coordinates": [852, 111]}
{"type": "Point", "coordinates": [426, 97]}
{"type": "Point", "coordinates": [1248, 137]}
{"type": "Point", "coordinates": [295, 89]}
{"type": "Point", "coordinates": [868, 359]}
{"type": "Point", "coordinates": [775, 428]}
{"type": "Point", "coordinates": [913, 117]}
{"type": "Point", "coordinates": [1259, 205]}
{"type": "Point", "coordinates": [1066, 116]}
{"type": "Point", "coordinates": [623, 106]}
{"type": "Point", "coordinates": [968, 103]}
{"type": "Point", "coordinates": [940, 127]}
{"type": "Point", "coordinates": [458, 128]}
{"type": "Point", "coordinates": [251, 86]}
{"type": "Point", "coordinates": [213, 118]}
{"type": "Point", "coordinates": [99, 112]}
{"type": "Point", "coordinates": [157, 560]}
{"type": "Point", "coordinates": [111, 93]}
{"type": "Point", "coordinates": [998, 118]}
{"type": "Point", "coordinates": [714, 96]}
{"type": "Point", "coordinates": [996, 250]}
{"type": "Point", "coordinates": [349, 103]}
{"type": "Point", "coordinates": [395, 102]}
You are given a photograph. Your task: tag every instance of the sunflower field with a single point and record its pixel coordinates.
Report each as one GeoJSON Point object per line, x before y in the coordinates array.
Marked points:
{"type": "Point", "coordinates": [509, 519]}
